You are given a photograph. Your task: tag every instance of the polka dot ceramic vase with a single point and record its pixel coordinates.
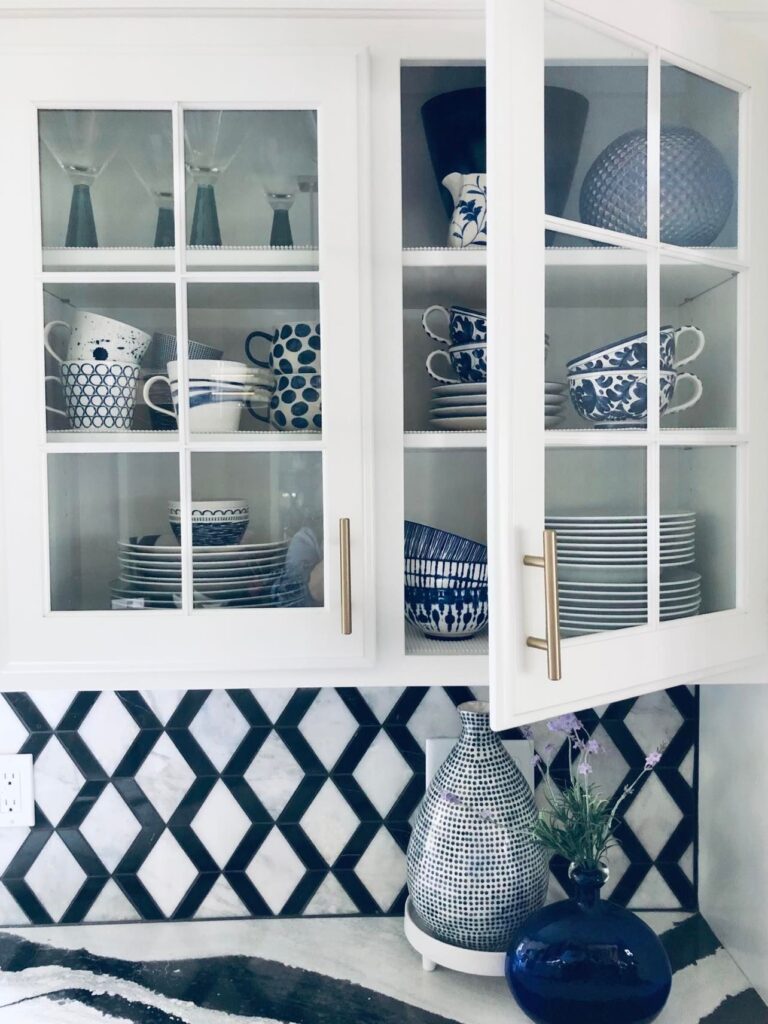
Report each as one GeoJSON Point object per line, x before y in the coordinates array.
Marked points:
{"type": "Point", "coordinates": [473, 872]}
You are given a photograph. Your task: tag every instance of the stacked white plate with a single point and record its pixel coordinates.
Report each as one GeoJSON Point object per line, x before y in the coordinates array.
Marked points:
{"type": "Point", "coordinates": [595, 600]}
{"type": "Point", "coordinates": [622, 540]}
{"type": "Point", "coordinates": [458, 406]}
{"type": "Point", "coordinates": [251, 574]}
{"type": "Point", "coordinates": [555, 397]}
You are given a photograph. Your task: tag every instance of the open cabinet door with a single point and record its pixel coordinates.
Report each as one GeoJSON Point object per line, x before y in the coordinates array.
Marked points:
{"type": "Point", "coordinates": [629, 217]}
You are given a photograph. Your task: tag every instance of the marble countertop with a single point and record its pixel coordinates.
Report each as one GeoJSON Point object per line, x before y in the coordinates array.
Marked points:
{"type": "Point", "coordinates": [353, 970]}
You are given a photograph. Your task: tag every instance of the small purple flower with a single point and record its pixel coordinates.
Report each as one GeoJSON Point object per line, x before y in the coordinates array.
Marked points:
{"type": "Point", "coordinates": [652, 760]}
{"type": "Point", "coordinates": [594, 747]}
{"type": "Point", "coordinates": [535, 760]}
{"type": "Point", "coordinates": [585, 768]}
{"type": "Point", "coordinates": [450, 798]}
{"type": "Point", "coordinates": [527, 732]}
{"type": "Point", "coordinates": [565, 724]}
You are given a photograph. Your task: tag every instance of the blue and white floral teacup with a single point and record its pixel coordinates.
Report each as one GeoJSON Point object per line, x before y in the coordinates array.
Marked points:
{"type": "Point", "coordinates": [621, 396]}
{"type": "Point", "coordinates": [293, 348]}
{"type": "Point", "coordinates": [464, 326]}
{"type": "Point", "coordinates": [468, 362]}
{"type": "Point", "coordinates": [632, 353]}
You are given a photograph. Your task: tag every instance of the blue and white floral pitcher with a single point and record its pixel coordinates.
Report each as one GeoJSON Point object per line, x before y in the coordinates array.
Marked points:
{"type": "Point", "coordinates": [469, 210]}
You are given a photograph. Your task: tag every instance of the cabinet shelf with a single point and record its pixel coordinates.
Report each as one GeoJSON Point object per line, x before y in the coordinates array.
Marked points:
{"type": "Point", "coordinates": [421, 646]}
{"type": "Point", "coordinates": [129, 441]}
{"type": "Point", "coordinates": [255, 257]}
{"type": "Point", "coordinates": [438, 439]}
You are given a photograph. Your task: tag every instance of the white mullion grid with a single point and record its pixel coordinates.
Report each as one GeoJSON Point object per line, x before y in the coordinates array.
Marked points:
{"type": "Point", "coordinates": [108, 277]}
{"type": "Point", "coordinates": [589, 232]}
{"type": "Point", "coordinates": [742, 525]}
{"type": "Point", "coordinates": [252, 277]}
{"type": "Point", "coordinates": [562, 10]}
{"type": "Point", "coordinates": [743, 179]}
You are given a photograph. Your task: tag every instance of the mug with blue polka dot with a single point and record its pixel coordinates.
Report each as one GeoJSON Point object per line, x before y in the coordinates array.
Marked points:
{"type": "Point", "coordinates": [293, 348]}
{"type": "Point", "coordinates": [295, 403]}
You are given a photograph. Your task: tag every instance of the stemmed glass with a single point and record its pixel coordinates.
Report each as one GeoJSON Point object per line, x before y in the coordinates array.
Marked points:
{"type": "Point", "coordinates": [82, 142]}
{"type": "Point", "coordinates": [213, 138]}
{"type": "Point", "coordinates": [149, 151]}
{"type": "Point", "coordinates": [285, 159]}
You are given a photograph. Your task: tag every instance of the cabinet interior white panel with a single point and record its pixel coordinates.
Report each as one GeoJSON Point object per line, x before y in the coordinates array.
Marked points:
{"type": "Point", "coordinates": [447, 489]}
{"type": "Point", "coordinates": [600, 481]}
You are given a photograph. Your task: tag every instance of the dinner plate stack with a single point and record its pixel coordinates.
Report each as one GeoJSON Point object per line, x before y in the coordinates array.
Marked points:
{"type": "Point", "coordinates": [622, 540]}
{"type": "Point", "coordinates": [250, 574]}
{"type": "Point", "coordinates": [555, 397]}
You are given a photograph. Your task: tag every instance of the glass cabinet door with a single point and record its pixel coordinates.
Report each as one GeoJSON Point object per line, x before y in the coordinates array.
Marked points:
{"type": "Point", "coordinates": [202, 449]}
{"type": "Point", "coordinates": [631, 256]}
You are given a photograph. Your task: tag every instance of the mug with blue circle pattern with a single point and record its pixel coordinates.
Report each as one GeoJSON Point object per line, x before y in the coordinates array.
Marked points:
{"type": "Point", "coordinates": [295, 403]}
{"type": "Point", "coordinates": [293, 348]}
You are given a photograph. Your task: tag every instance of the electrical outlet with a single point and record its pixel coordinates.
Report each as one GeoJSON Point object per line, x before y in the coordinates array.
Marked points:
{"type": "Point", "coordinates": [17, 798]}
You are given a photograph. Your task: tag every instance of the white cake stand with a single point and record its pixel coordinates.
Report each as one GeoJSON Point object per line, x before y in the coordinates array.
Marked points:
{"type": "Point", "coordinates": [434, 952]}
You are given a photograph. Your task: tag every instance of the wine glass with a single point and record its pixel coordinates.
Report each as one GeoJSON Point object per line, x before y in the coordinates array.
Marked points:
{"type": "Point", "coordinates": [149, 151]}
{"type": "Point", "coordinates": [82, 142]}
{"type": "Point", "coordinates": [285, 159]}
{"type": "Point", "coordinates": [213, 138]}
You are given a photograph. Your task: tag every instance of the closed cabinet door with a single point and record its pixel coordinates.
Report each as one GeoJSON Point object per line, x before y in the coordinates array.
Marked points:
{"type": "Point", "coordinates": [626, 249]}
{"type": "Point", "coordinates": [182, 357]}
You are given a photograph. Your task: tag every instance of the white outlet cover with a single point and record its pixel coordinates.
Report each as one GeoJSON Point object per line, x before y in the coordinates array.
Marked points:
{"type": "Point", "coordinates": [23, 813]}
{"type": "Point", "coordinates": [440, 747]}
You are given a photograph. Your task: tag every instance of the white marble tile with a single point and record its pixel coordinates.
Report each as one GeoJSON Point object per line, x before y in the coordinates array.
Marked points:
{"type": "Point", "coordinates": [57, 780]}
{"type": "Point", "coordinates": [653, 720]}
{"type": "Point", "coordinates": [165, 776]}
{"type": "Point", "coordinates": [653, 816]}
{"type": "Point", "coordinates": [108, 730]}
{"type": "Point", "coordinates": [329, 822]}
{"type": "Point", "coordinates": [274, 774]}
{"type": "Point", "coordinates": [330, 898]}
{"type": "Point", "coordinates": [55, 877]}
{"type": "Point", "coordinates": [110, 827]}
{"type": "Point", "coordinates": [273, 700]}
{"type": "Point", "coordinates": [328, 726]}
{"type": "Point", "coordinates": [436, 715]}
{"type": "Point", "coordinates": [687, 766]}
{"type": "Point", "coordinates": [382, 773]}
{"type": "Point", "coordinates": [221, 901]}
{"type": "Point", "coordinates": [10, 841]}
{"type": "Point", "coordinates": [609, 769]}
{"type": "Point", "coordinates": [167, 873]}
{"type": "Point", "coordinates": [52, 704]}
{"type": "Point", "coordinates": [381, 869]}
{"type": "Point", "coordinates": [163, 702]}
{"type": "Point", "coordinates": [10, 911]}
{"type": "Point", "coordinates": [381, 699]}
{"type": "Point", "coordinates": [220, 824]}
{"type": "Point", "coordinates": [687, 863]}
{"type": "Point", "coordinates": [275, 870]}
{"type": "Point", "coordinates": [653, 892]}
{"type": "Point", "coordinates": [12, 732]}
{"type": "Point", "coordinates": [699, 989]}
{"type": "Point", "coordinates": [111, 905]}
{"type": "Point", "coordinates": [219, 728]}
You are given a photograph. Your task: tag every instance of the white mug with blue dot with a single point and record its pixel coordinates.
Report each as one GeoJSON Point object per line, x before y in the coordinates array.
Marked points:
{"type": "Point", "coordinates": [293, 348]}
{"type": "Point", "coordinates": [295, 403]}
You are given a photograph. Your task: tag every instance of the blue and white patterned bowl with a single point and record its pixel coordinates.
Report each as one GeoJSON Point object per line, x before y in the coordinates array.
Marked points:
{"type": "Point", "coordinates": [427, 542]}
{"type": "Point", "coordinates": [442, 573]}
{"type": "Point", "coordinates": [446, 613]}
{"type": "Point", "coordinates": [214, 523]}
{"type": "Point", "coordinates": [621, 396]}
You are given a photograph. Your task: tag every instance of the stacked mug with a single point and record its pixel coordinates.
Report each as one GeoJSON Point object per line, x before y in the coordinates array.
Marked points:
{"type": "Point", "coordinates": [98, 371]}
{"type": "Point", "coordinates": [162, 351]}
{"type": "Point", "coordinates": [609, 385]}
{"type": "Point", "coordinates": [293, 356]}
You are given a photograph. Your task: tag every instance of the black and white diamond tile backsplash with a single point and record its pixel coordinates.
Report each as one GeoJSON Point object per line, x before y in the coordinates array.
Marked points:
{"type": "Point", "coordinates": [203, 804]}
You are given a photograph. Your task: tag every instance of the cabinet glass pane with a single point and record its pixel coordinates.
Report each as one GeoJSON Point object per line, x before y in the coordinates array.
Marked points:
{"type": "Point", "coordinates": [106, 187]}
{"type": "Point", "coordinates": [110, 542]}
{"type": "Point", "coordinates": [596, 501]}
{"type": "Point", "coordinates": [101, 341]}
{"type": "Point", "coordinates": [252, 188]}
{"type": "Point", "coordinates": [699, 160]}
{"type": "Point", "coordinates": [255, 359]}
{"type": "Point", "coordinates": [698, 350]}
{"type": "Point", "coordinates": [595, 129]}
{"type": "Point", "coordinates": [596, 349]}
{"type": "Point", "coordinates": [257, 529]}
{"type": "Point", "coordinates": [698, 524]}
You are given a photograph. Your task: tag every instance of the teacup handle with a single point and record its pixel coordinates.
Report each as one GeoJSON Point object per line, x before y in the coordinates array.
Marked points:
{"type": "Point", "coordinates": [698, 388]}
{"type": "Point", "coordinates": [699, 344]}
{"type": "Point", "coordinates": [49, 408]}
{"type": "Point", "coordinates": [444, 314]}
{"type": "Point", "coordinates": [259, 334]}
{"type": "Point", "coordinates": [148, 387]}
{"type": "Point", "coordinates": [256, 415]}
{"type": "Point", "coordinates": [436, 376]}
{"type": "Point", "coordinates": [47, 334]}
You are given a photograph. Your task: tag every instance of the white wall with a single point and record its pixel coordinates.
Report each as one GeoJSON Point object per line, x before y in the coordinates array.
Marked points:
{"type": "Point", "coordinates": [733, 824]}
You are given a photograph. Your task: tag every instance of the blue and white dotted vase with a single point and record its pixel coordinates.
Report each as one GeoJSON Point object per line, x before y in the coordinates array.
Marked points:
{"type": "Point", "coordinates": [474, 873]}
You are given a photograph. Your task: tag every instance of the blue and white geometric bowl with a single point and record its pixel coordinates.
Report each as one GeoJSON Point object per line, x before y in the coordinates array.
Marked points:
{"type": "Point", "coordinates": [214, 523]}
{"type": "Point", "coordinates": [447, 613]}
{"type": "Point", "coordinates": [442, 573]}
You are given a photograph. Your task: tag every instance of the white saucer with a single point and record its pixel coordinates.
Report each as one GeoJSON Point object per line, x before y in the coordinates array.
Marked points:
{"type": "Point", "coordinates": [460, 423]}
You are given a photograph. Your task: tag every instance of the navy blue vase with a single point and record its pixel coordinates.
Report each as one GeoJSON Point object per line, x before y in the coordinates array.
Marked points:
{"type": "Point", "coordinates": [586, 961]}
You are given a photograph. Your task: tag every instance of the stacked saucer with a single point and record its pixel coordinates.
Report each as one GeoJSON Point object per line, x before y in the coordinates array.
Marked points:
{"type": "Point", "coordinates": [584, 540]}
{"type": "Point", "coordinates": [459, 406]}
{"type": "Point", "coordinates": [554, 404]}
{"type": "Point", "coordinates": [251, 574]}
{"type": "Point", "coordinates": [593, 601]}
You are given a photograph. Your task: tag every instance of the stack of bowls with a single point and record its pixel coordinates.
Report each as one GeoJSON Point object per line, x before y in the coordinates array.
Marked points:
{"type": "Point", "coordinates": [446, 583]}
{"type": "Point", "coordinates": [213, 522]}
{"type": "Point", "coordinates": [609, 385]}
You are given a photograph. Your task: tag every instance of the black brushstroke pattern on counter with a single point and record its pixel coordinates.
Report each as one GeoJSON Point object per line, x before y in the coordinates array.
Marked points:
{"type": "Point", "coordinates": [106, 1004]}
{"type": "Point", "coordinates": [689, 941]}
{"type": "Point", "coordinates": [745, 1008]}
{"type": "Point", "coordinates": [248, 986]}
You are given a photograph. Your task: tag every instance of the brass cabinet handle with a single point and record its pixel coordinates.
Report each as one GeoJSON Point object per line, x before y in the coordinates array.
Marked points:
{"type": "Point", "coordinates": [550, 643]}
{"type": "Point", "coordinates": [346, 577]}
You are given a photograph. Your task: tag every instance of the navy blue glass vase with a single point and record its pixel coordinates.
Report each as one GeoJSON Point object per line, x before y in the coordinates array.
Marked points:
{"type": "Point", "coordinates": [588, 961]}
